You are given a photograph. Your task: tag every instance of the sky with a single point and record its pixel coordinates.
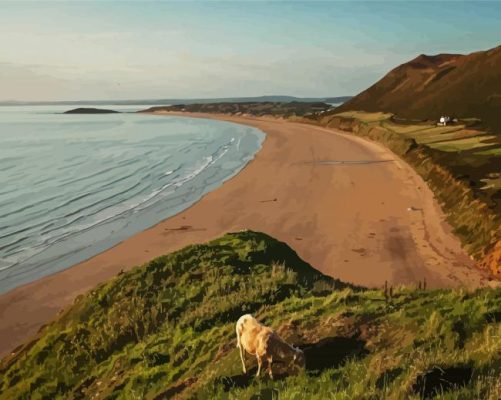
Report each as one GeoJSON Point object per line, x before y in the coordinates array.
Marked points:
{"type": "Point", "coordinates": [99, 50]}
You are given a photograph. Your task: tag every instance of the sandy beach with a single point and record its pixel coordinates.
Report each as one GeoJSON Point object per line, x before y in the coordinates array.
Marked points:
{"type": "Point", "coordinates": [349, 207]}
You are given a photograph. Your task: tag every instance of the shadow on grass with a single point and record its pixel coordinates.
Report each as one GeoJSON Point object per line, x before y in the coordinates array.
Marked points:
{"type": "Point", "coordinates": [174, 390]}
{"type": "Point", "coordinates": [387, 377]}
{"type": "Point", "coordinates": [265, 394]}
{"type": "Point", "coordinates": [325, 354]}
{"type": "Point", "coordinates": [332, 352]}
{"type": "Point", "coordinates": [440, 380]}
{"type": "Point", "coordinates": [245, 380]}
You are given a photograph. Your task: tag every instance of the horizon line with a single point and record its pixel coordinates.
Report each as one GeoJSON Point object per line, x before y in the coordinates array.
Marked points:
{"type": "Point", "coordinates": [13, 102]}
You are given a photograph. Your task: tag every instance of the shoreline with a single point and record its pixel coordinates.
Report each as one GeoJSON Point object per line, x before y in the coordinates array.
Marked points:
{"type": "Point", "coordinates": [160, 174]}
{"type": "Point", "coordinates": [349, 207]}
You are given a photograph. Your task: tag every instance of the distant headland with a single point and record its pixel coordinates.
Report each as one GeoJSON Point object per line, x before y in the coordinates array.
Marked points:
{"type": "Point", "coordinates": [83, 110]}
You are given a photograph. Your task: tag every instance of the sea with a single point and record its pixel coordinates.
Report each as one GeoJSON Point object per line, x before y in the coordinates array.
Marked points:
{"type": "Point", "coordinates": [74, 185]}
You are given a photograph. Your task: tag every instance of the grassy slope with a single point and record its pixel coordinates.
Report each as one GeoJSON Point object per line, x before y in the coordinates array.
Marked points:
{"type": "Point", "coordinates": [166, 329]}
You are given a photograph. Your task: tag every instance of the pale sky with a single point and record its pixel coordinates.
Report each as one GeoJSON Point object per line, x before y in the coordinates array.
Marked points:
{"type": "Point", "coordinates": [71, 50]}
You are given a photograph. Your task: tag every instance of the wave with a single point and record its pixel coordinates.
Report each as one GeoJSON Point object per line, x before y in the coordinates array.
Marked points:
{"type": "Point", "coordinates": [67, 203]}
{"type": "Point", "coordinates": [128, 186]}
{"type": "Point", "coordinates": [100, 172]}
{"type": "Point", "coordinates": [89, 206]}
{"type": "Point", "coordinates": [27, 207]}
{"type": "Point", "coordinates": [137, 206]}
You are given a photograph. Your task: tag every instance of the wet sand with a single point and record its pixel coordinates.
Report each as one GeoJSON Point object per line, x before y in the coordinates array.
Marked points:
{"type": "Point", "coordinates": [348, 206]}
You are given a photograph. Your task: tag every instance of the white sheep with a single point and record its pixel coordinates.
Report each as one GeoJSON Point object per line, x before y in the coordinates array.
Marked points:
{"type": "Point", "coordinates": [261, 341]}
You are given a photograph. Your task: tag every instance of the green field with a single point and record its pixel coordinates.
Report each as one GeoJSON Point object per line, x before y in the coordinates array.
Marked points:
{"type": "Point", "coordinates": [477, 148]}
{"type": "Point", "coordinates": [452, 138]}
{"type": "Point", "coordinates": [366, 117]}
{"type": "Point", "coordinates": [166, 330]}
{"type": "Point", "coordinates": [459, 145]}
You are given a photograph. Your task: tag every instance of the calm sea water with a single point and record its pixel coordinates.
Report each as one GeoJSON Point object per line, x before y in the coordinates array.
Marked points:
{"type": "Point", "coordinates": [72, 186]}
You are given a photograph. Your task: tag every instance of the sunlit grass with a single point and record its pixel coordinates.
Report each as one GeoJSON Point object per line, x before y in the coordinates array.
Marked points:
{"type": "Point", "coordinates": [451, 138]}
{"type": "Point", "coordinates": [495, 151]}
{"type": "Point", "coordinates": [463, 144]}
{"type": "Point", "coordinates": [366, 117]}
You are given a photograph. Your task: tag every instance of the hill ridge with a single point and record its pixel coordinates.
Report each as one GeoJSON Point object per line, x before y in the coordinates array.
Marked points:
{"type": "Point", "coordinates": [428, 86]}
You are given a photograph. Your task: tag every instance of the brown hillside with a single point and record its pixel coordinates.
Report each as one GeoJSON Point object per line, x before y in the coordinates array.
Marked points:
{"type": "Point", "coordinates": [465, 86]}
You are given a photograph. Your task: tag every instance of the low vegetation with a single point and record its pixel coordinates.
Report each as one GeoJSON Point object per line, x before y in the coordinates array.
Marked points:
{"type": "Point", "coordinates": [166, 330]}
{"type": "Point", "coordinates": [278, 109]}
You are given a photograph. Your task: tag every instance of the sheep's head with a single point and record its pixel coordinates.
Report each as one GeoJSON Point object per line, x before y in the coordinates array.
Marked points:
{"type": "Point", "coordinates": [299, 359]}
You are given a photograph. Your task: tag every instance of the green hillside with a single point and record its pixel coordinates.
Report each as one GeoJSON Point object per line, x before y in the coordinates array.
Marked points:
{"type": "Point", "coordinates": [166, 330]}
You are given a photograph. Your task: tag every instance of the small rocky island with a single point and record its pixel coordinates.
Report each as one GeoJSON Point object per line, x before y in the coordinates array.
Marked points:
{"type": "Point", "coordinates": [84, 110]}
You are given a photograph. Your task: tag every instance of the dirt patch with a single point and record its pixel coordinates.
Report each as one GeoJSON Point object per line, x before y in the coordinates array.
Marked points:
{"type": "Point", "coordinates": [245, 380]}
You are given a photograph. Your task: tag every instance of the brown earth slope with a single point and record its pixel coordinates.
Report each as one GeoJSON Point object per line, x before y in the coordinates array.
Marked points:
{"type": "Point", "coordinates": [465, 86]}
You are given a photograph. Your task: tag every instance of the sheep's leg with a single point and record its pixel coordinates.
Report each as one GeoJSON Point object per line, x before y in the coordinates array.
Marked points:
{"type": "Point", "coordinates": [242, 357]}
{"type": "Point", "coordinates": [259, 363]}
{"type": "Point", "coordinates": [270, 372]}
